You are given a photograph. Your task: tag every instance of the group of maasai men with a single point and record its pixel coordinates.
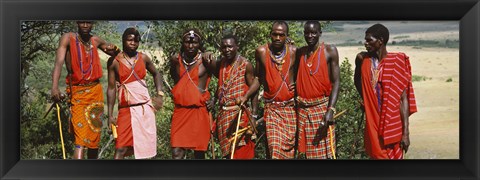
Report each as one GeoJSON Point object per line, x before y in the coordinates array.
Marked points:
{"type": "Point", "coordinates": [301, 87]}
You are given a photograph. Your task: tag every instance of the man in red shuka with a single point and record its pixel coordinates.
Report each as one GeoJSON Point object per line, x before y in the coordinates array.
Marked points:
{"type": "Point", "coordinates": [384, 80]}
{"type": "Point", "coordinates": [317, 84]}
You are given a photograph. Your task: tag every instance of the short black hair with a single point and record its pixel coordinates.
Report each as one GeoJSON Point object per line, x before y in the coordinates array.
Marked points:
{"type": "Point", "coordinates": [230, 36]}
{"type": "Point", "coordinates": [282, 23]}
{"type": "Point", "coordinates": [379, 31]}
{"type": "Point", "coordinates": [131, 30]}
{"type": "Point", "coordinates": [315, 23]}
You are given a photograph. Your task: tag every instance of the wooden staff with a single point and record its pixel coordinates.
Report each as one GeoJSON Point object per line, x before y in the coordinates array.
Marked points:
{"type": "Point", "coordinates": [212, 145]}
{"type": "Point", "coordinates": [331, 131]}
{"type": "Point", "coordinates": [236, 133]}
{"type": "Point", "coordinates": [60, 129]}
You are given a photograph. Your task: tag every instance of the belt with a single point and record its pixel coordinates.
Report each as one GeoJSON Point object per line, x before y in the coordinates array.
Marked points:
{"type": "Point", "coordinates": [289, 102]}
{"type": "Point", "coordinates": [131, 105]}
{"type": "Point", "coordinates": [88, 83]}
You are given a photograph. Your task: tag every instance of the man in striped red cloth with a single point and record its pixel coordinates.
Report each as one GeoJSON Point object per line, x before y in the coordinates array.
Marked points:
{"type": "Point", "coordinates": [236, 85]}
{"type": "Point", "coordinates": [274, 67]}
{"type": "Point", "coordinates": [384, 80]}
{"type": "Point", "coordinates": [317, 85]}
{"type": "Point", "coordinates": [136, 127]}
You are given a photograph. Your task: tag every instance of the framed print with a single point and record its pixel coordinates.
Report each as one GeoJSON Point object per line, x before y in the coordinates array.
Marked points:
{"type": "Point", "coordinates": [456, 67]}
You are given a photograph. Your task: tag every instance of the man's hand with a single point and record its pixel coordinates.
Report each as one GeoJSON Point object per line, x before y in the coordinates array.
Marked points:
{"type": "Point", "coordinates": [208, 57]}
{"type": "Point", "coordinates": [211, 104]}
{"type": "Point", "coordinates": [405, 142]}
{"type": "Point", "coordinates": [111, 49]}
{"type": "Point", "coordinates": [240, 100]}
{"type": "Point", "coordinates": [291, 87]}
{"type": "Point", "coordinates": [56, 95]}
{"type": "Point", "coordinates": [111, 120]}
{"type": "Point", "coordinates": [157, 102]}
{"type": "Point", "coordinates": [328, 118]}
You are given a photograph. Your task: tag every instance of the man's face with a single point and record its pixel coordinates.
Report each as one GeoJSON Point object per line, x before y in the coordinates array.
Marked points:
{"type": "Point", "coordinates": [131, 43]}
{"type": "Point", "coordinates": [229, 48]}
{"type": "Point", "coordinates": [372, 44]}
{"type": "Point", "coordinates": [84, 27]}
{"type": "Point", "coordinates": [278, 35]}
{"type": "Point", "coordinates": [311, 34]}
{"type": "Point", "coordinates": [191, 44]}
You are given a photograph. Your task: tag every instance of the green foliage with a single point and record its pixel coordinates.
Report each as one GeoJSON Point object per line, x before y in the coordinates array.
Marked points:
{"type": "Point", "coordinates": [349, 128]}
{"type": "Point", "coordinates": [449, 80]}
{"type": "Point", "coordinates": [416, 78]}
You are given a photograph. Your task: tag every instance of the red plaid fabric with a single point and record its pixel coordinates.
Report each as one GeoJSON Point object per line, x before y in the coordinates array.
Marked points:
{"type": "Point", "coordinates": [281, 128]}
{"type": "Point", "coordinates": [310, 115]}
{"type": "Point", "coordinates": [232, 85]}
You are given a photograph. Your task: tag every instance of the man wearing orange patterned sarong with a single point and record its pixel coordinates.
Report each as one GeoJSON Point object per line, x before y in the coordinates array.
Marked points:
{"type": "Point", "coordinates": [384, 80]}
{"type": "Point", "coordinates": [136, 126]}
{"type": "Point", "coordinates": [274, 67]}
{"type": "Point", "coordinates": [236, 85]}
{"type": "Point", "coordinates": [79, 53]}
{"type": "Point", "coordinates": [190, 127]}
{"type": "Point", "coordinates": [318, 82]}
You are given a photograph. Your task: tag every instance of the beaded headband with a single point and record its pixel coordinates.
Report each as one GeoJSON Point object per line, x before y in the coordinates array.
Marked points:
{"type": "Point", "coordinates": [192, 34]}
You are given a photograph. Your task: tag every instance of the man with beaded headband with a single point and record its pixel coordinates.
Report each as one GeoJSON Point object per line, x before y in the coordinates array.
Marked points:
{"type": "Point", "coordinates": [136, 127]}
{"type": "Point", "coordinates": [384, 81]}
{"type": "Point", "coordinates": [275, 68]}
{"type": "Point", "coordinates": [236, 85]}
{"type": "Point", "coordinates": [190, 128]}
{"type": "Point", "coordinates": [78, 50]}
{"type": "Point", "coordinates": [317, 86]}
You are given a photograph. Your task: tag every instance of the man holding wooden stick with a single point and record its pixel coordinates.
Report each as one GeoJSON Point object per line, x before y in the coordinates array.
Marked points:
{"type": "Point", "coordinates": [236, 85]}
{"type": "Point", "coordinates": [317, 85]}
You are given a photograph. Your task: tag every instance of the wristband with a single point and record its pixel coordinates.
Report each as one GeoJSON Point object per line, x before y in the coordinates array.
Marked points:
{"type": "Point", "coordinates": [333, 109]}
{"type": "Point", "coordinates": [160, 93]}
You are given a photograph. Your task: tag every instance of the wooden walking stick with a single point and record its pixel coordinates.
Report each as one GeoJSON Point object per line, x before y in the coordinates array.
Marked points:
{"type": "Point", "coordinates": [331, 132]}
{"type": "Point", "coordinates": [212, 145]}
{"type": "Point", "coordinates": [60, 129]}
{"type": "Point", "coordinates": [236, 133]}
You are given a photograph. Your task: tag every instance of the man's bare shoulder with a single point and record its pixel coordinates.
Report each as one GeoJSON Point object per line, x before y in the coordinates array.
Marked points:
{"type": "Point", "coordinates": [360, 56]}
{"type": "Point", "coordinates": [330, 47]}
{"type": "Point", "coordinates": [261, 49]}
{"type": "Point", "coordinates": [292, 48]}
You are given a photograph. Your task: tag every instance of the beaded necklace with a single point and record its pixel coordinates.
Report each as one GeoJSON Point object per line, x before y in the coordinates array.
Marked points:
{"type": "Point", "coordinates": [227, 77]}
{"type": "Point", "coordinates": [279, 60]}
{"type": "Point", "coordinates": [88, 55]}
{"type": "Point", "coordinates": [375, 70]}
{"type": "Point", "coordinates": [187, 66]}
{"type": "Point", "coordinates": [195, 59]}
{"type": "Point", "coordinates": [128, 59]}
{"type": "Point", "coordinates": [310, 63]}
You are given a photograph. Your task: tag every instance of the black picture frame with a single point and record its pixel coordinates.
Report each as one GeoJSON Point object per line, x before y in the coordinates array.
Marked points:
{"type": "Point", "coordinates": [13, 12]}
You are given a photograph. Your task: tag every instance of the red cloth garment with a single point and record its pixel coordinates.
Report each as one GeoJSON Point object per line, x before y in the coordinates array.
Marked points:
{"type": "Point", "coordinates": [85, 62]}
{"type": "Point", "coordinates": [313, 81]}
{"type": "Point", "coordinates": [190, 127]}
{"type": "Point", "coordinates": [232, 85]}
{"type": "Point", "coordinates": [136, 116]}
{"type": "Point", "coordinates": [279, 114]}
{"type": "Point", "coordinates": [384, 127]}
{"type": "Point", "coordinates": [277, 81]}
{"type": "Point", "coordinates": [313, 89]}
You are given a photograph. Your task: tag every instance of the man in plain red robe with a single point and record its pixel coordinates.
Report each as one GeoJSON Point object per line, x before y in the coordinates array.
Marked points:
{"type": "Point", "coordinates": [275, 69]}
{"type": "Point", "coordinates": [384, 80]}
{"type": "Point", "coordinates": [190, 127]}
{"type": "Point", "coordinates": [317, 85]}
{"type": "Point", "coordinates": [78, 50]}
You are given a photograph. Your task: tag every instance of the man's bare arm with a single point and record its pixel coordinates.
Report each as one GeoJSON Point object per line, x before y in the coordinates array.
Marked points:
{"type": "Point", "coordinates": [112, 67]}
{"type": "Point", "coordinates": [57, 69]}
